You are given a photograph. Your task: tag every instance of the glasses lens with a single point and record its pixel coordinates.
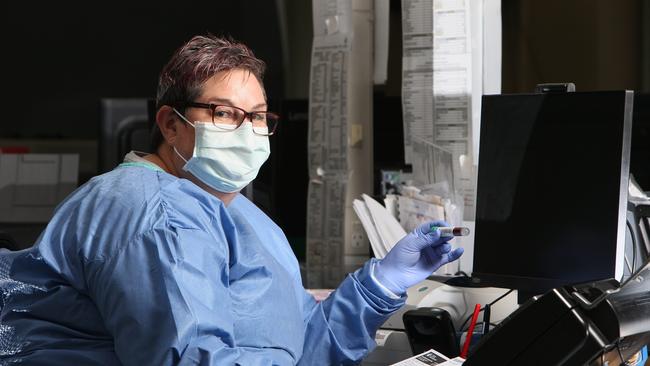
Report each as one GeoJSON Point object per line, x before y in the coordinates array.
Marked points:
{"type": "Point", "coordinates": [264, 123]}
{"type": "Point", "coordinates": [227, 116]}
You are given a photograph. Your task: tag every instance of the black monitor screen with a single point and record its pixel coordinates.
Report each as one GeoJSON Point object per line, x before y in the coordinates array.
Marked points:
{"type": "Point", "coordinates": [552, 188]}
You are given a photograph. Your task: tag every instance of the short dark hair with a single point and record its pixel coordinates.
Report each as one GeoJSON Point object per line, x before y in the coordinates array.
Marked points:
{"type": "Point", "coordinates": [182, 78]}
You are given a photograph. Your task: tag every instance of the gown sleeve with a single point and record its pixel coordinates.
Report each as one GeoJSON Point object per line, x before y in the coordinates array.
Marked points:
{"type": "Point", "coordinates": [340, 330]}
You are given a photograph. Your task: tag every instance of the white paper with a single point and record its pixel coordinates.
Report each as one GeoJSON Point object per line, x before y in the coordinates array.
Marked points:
{"type": "Point", "coordinates": [457, 361]}
{"type": "Point", "coordinates": [413, 212]}
{"type": "Point", "coordinates": [327, 142]}
{"type": "Point", "coordinates": [491, 46]}
{"type": "Point", "coordinates": [451, 56]}
{"type": "Point", "coordinates": [427, 358]}
{"type": "Point", "coordinates": [328, 125]}
{"type": "Point", "coordinates": [381, 30]}
{"type": "Point", "coordinates": [389, 229]}
{"type": "Point", "coordinates": [331, 16]}
{"type": "Point", "coordinates": [363, 213]}
{"type": "Point", "coordinates": [417, 72]}
{"type": "Point", "coordinates": [434, 165]}
{"type": "Point", "coordinates": [452, 84]}
{"type": "Point", "coordinates": [325, 236]}
{"type": "Point", "coordinates": [390, 202]}
{"type": "Point", "coordinates": [486, 58]}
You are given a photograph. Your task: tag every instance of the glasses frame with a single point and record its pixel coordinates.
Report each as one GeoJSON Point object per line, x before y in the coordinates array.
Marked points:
{"type": "Point", "coordinates": [212, 107]}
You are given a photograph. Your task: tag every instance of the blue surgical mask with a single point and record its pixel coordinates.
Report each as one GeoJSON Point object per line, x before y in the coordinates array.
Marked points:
{"type": "Point", "coordinates": [226, 159]}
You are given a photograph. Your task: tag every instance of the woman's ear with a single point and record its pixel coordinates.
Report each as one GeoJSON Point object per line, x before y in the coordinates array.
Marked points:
{"type": "Point", "coordinates": [166, 120]}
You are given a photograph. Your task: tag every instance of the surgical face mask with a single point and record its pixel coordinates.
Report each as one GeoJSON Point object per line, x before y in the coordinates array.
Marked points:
{"type": "Point", "coordinates": [226, 159]}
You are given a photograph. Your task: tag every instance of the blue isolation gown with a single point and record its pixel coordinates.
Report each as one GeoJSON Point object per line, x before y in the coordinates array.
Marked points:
{"type": "Point", "coordinates": [139, 267]}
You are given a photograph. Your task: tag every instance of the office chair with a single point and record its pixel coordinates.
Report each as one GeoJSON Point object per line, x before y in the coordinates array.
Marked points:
{"type": "Point", "coordinates": [124, 126]}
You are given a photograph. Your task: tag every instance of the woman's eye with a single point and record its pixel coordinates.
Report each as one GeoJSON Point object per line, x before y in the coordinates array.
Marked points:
{"type": "Point", "coordinates": [222, 114]}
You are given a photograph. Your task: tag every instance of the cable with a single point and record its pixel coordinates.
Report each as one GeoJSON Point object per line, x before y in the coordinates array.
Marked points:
{"type": "Point", "coordinates": [632, 361]}
{"type": "Point", "coordinates": [486, 318]}
{"type": "Point", "coordinates": [620, 355]}
{"type": "Point", "coordinates": [623, 362]}
{"type": "Point", "coordinates": [465, 322]}
{"type": "Point", "coordinates": [632, 235]}
{"type": "Point", "coordinates": [501, 297]}
{"type": "Point", "coordinates": [483, 308]}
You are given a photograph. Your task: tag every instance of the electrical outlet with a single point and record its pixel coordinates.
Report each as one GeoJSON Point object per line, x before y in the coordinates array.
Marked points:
{"type": "Point", "coordinates": [358, 236]}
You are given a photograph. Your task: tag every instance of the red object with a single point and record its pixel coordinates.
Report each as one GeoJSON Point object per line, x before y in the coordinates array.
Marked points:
{"type": "Point", "coordinates": [470, 331]}
{"type": "Point", "coordinates": [14, 150]}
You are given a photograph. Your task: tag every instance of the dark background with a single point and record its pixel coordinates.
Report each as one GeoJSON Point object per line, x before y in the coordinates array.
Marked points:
{"type": "Point", "coordinates": [62, 57]}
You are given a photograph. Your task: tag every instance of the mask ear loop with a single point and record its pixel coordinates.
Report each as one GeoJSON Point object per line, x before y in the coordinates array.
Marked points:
{"type": "Point", "coordinates": [182, 117]}
{"type": "Point", "coordinates": [179, 154]}
{"type": "Point", "coordinates": [188, 122]}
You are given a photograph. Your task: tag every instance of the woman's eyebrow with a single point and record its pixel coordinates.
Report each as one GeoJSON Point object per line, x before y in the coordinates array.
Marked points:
{"type": "Point", "coordinates": [226, 101]}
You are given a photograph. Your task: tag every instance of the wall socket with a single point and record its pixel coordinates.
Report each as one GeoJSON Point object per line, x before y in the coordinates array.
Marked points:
{"type": "Point", "coordinates": [359, 238]}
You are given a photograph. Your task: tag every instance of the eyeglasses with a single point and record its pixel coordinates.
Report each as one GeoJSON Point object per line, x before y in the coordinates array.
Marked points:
{"type": "Point", "coordinates": [229, 118]}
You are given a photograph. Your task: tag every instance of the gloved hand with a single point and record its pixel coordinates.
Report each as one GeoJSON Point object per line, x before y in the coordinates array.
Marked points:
{"type": "Point", "coordinates": [415, 257]}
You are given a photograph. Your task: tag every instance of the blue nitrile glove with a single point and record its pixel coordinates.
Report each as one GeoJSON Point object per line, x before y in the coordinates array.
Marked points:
{"type": "Point", "coordinates": [415, 257]}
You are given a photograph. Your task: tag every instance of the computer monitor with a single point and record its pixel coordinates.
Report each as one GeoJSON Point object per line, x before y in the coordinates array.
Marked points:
{"type": "Point", "coordinates": [552, 185]}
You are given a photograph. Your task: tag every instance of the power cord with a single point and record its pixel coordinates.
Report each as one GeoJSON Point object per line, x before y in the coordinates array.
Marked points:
{"type": "Point", "coordinates": [483, 308]}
